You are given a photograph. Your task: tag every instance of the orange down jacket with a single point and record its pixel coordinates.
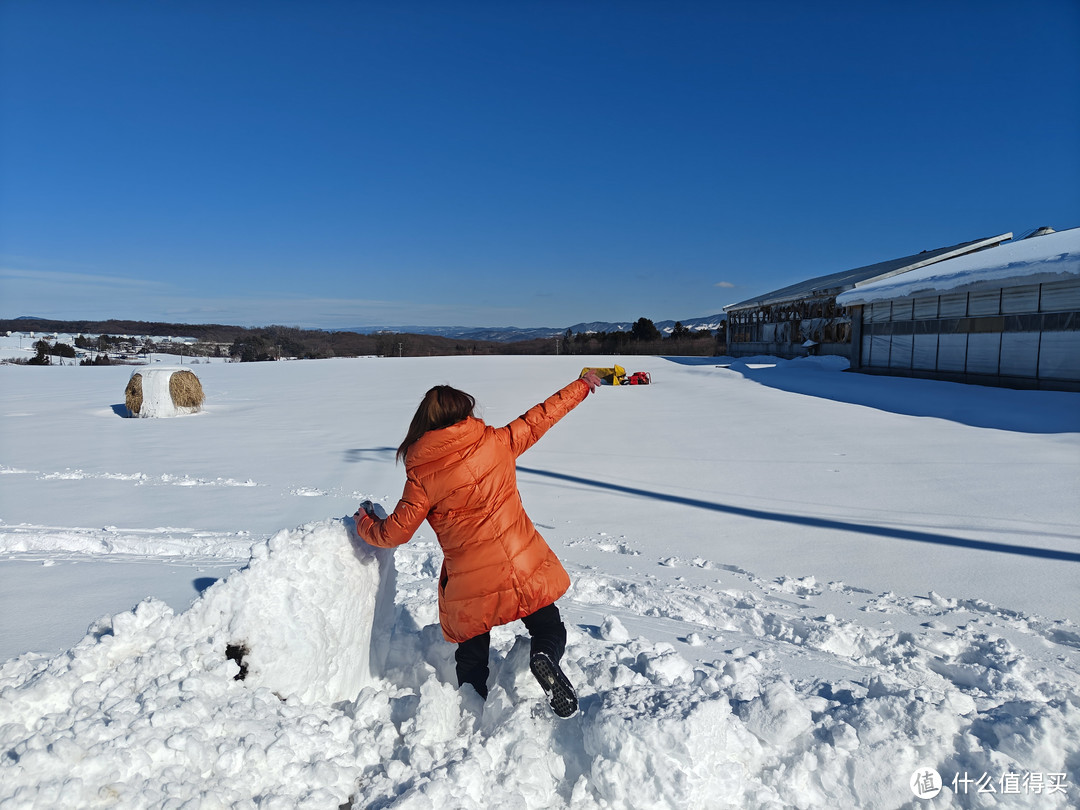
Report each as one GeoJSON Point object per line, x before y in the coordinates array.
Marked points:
{"type": "Point", "coordinates": [462, 479]}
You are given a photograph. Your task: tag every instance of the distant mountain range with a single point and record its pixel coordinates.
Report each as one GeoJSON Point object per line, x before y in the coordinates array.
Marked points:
{"type": "Point", "coordinates": [509, 334]}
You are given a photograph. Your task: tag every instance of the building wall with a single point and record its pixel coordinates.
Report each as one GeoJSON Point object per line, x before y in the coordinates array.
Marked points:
{"type": "Point", "coordinates": [781, 329]}
{"type": "Point", "coordinates": [786, 350]}
{"type": "Point", "coordinates": [1020, 336]}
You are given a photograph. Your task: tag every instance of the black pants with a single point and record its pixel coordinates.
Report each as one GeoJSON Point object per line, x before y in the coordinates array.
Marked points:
{"type": "Point", "coordinates": [547, 635]}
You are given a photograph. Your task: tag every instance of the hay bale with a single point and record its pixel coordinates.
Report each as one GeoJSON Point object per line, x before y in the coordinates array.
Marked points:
{"type": "Point", "coordinates": [161, 391]}
{"type": "Point", "coordinates": [186, 390]}
{"type": "Point", "coordinates": [133, 394]}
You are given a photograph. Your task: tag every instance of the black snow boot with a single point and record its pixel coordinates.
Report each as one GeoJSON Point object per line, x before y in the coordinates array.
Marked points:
{"type": "Point", "coordinates": [556, 686]}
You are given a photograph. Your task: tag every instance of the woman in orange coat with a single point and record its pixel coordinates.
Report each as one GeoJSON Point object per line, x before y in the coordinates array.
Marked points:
{"type": "Point", "coordinates": [461, 478]}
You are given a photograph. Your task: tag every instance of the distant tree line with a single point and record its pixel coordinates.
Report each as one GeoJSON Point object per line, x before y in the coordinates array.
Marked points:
{"type": "Point", "coordinates": [213, 333]}
{"type": "Point", "coordinates": [112, 342]}
{"type": "Point", "coordinates": [101, 350]}
{"type": "Point", "coordinates": [644, 338]}
{"type": "Point", "coordinates": [47, 354]}
{"type": "Point", "coordinates": [44, 352]}
{"type": "Point", "coordinates": [283, 342]}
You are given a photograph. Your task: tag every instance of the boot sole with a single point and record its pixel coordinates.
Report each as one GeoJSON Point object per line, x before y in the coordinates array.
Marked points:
{"type": "Point", "coordinates": [559, 692]}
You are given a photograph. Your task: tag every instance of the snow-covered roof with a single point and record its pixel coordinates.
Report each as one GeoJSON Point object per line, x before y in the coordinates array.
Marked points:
{"type": "Point", "coordinates": [846, 279]}
{"type": "Point", "coordinates": [1051, 257]}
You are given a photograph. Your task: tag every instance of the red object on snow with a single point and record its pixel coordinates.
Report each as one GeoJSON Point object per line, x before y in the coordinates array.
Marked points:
{"type": "Point", "coordinates": [640, 378]}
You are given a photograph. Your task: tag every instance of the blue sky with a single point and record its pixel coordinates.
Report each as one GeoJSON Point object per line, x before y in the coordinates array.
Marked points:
{"type": "Point", "coordinates": [337, 164]}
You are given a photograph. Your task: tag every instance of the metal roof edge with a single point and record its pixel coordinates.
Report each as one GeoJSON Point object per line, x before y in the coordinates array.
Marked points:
{"type": "Point", "coordinates": [770, 298]}
{"type": "Point", "coordinates": [932, 284]}
{"type": "Point", "coordinates": [960, 250]}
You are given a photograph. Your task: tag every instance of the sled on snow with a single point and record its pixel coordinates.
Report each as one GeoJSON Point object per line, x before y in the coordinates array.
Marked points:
{"type": "Point", "coordinates": [616, 375]}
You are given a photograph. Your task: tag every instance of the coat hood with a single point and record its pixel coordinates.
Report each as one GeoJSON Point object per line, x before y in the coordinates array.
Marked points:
{"type": "Point", "coordinates": [443, 442]}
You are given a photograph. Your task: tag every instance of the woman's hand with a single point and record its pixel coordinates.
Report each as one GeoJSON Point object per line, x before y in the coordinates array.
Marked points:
{"type": "Point", "coordinates": [366, 508]}
{"type": "Point", "coordinates": [592, 380]}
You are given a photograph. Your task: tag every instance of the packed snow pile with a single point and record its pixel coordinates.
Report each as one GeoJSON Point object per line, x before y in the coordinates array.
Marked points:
{"type": "Point", "coordinates": [162, 391]}
{"type": "Point", "coordinates": [310, 615]}
{"type": "Point", "coordinates": [211, 691]}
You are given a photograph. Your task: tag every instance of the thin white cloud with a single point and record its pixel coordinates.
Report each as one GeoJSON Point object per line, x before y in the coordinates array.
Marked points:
{"type": "Point", "coordinates": [727, 285]}
{"type": "Point", "coordinates": [81, 279]}
{"type": "Point", "coordinates": [66, 295]}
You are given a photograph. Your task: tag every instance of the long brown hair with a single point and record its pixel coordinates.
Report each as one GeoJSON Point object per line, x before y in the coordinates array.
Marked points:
{"type": "Point", "coordinates": [441, 407]}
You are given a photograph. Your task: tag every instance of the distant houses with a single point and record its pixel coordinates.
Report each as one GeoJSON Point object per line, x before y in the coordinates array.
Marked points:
{"type": "Point", "coordinates": [988, 311]}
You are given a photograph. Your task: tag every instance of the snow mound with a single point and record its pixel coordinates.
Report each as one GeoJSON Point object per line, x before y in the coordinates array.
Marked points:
{"type": "Point", "coordinates": [149, 705]}
{"type": "Point", "coordinates": [310, 615]}
{"type": "Point", "coordinates": [654, 748]}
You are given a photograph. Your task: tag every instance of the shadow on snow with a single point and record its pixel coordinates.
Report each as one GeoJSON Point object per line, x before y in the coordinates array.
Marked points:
{"type": "Point", "coordinates": [817, 522]}
{"type": "Point", "coordinates": [980, 406]}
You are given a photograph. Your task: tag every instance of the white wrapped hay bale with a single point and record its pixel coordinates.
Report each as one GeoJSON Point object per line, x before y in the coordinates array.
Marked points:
{"type": "Point", "coordinates": [165, 391]}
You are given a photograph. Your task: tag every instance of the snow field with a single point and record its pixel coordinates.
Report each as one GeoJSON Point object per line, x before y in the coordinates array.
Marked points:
{"type": "Point", "coordinates": [714, 670]}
